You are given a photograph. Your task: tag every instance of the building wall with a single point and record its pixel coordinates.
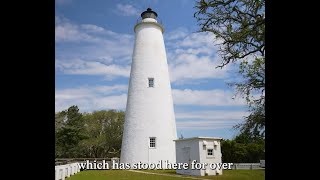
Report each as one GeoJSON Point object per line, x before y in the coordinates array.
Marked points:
{"type": "Point", "coordinates": [198, 152]}
{"type": "Point", "coordinates": [204, 158]}
{"type": "Point", "coordinates": [193, 145]}
{"type": "Point", "coordinates": [149, 111]}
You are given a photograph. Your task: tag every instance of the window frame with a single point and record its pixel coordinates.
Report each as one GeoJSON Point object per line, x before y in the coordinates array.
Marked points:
{"type": "Point", "coordinates": [212, 154]}
{"type": "Point", "coordinates": [155, 143]}
{"type": "Point", "coordinates": [149, 80]}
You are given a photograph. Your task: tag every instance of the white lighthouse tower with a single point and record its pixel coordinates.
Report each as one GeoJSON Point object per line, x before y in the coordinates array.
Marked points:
{"type": "Point", "coordinates": [149, 128]}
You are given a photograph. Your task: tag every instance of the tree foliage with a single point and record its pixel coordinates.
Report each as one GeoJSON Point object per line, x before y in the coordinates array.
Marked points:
{"type": "Point", "coordinates": [239, 28]}
{"type": "Point", "coordinates": [104, 130]}
{"type": "Point", "coordinates": [70, 132]}
{"type": "Point", "coordinates": [243, 149]}
{"type": "Point", "coordinates": [239, 24]}
{"type": "Point", "coordinates": [92, 135]}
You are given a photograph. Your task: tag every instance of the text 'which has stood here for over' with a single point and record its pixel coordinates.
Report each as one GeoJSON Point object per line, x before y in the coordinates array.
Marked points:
{"type": "Point", "coordinates": [160, 165]}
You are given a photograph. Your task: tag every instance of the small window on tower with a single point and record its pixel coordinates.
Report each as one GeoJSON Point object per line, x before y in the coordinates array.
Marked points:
{"type": "Point", "coordinates": [210, 152]}
{"type": "Point", "coordinates": [152, 142]}
{"type": "Point", "coordinates": [151, 82]}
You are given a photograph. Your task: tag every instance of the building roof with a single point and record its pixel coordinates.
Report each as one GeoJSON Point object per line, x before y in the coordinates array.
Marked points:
{"type": "Point", "coordinates": [149, 14]}
{"type": "Point", "coordinates": [207, 138]}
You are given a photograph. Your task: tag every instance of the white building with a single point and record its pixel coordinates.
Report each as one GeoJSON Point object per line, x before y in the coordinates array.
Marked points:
{"type": "Point", "coordinates": [149, 128]}
{"type": "Point", "coordinates": [203, 150]}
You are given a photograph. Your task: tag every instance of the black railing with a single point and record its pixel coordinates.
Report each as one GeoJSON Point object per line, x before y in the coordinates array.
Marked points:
{"type": "Point", "coordinates": [159, 21]}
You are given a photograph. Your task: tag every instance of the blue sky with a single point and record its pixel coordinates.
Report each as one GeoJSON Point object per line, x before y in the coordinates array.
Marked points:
{"type": "Point", "coordinates": [94, 44]}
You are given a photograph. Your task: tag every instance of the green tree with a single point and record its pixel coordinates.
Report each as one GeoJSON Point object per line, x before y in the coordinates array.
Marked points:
{"type": "Point", "coordinates": [70, 133]}
{"type": "Point", "coordinates": [255, 152]}
{"type": "Point", "coordinates": [59, 120]}
{"type": "Point", "coordinates": [239, 27]}
{"type": "Point", "coordinates": [246, 138]}
{"type": "Point", "coordinates": [92, 135]}
{"type": "Point", "coordinates": [240, 153]}
{"type": "Point", "coordinates": [243, 149]}
{"type": "Point", "coordinates": [104, 131]}
{"type": "Point", "coordinates": [114, 132]}
{"type": "Point", "coordinates": [227, 148]}
{"type": "Point", "coordinates": [59, 123]}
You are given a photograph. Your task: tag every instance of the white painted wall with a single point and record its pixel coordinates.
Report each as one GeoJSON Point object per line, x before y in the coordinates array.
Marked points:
{"type": "Point", "coordinates": [204, 158]}
{"type": "Point", "coordinates": [181, 157]}
{"type": "Point", "coordinates": [198, 152]}
{"type": "Point", "coordinates": [63, 171]}
{"type": "Point", "coordinates": [149, 111]}
{"type": "Point", "coordinates": [262, 163]}
{"type": "Point", "coordinates": [59, 172]}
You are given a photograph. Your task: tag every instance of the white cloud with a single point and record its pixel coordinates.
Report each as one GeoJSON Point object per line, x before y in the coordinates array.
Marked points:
{"type": "Point", "coordinates": [111, 89]}
{"type": "Point", "coordinates": [81, 67]}
{"type": "Point", "coordinates": [215, 97]}
{"type": "Point", "coordinates": [96, 57]}
{"type": "Point", "coordinates": [111, 102]}
{"type": "Point", "coordinates": [215, 115]}
{"type": "Point", "coordinates": [69, 32]}
{"type": "Point", "coordinates": [65, 31]}
{"type": "Point", "coordinates": [92, 28]}
{"type": "Point", "coordinates": [209, 119]}
{"type": "Point", "coordinates": [201, 125]}
{"type": "Point", "coordinates": [192, 40]}
{"type": "Point", "coordinates": [176, 34]}
{"type": "Point", "coordinates": [126, 10]}
{"type": "Point", "coordinates": [192, 57]}
{"type": "Point", "coordinates": [198, 40]}
{"type": "Point", "coordinates": [190, 67]}
{"type": "Point", "coordinates": [92, 98]}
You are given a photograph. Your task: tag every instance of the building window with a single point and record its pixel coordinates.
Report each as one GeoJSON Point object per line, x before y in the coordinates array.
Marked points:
{"type": "Point", "coordinates": [151, 82]}
{"type": "Point", "coordinates": [152, 142]}
{"type": "Point", "coordinates": [210, 152]}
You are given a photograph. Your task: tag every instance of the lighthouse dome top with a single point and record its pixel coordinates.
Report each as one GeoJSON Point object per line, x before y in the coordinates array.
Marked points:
{"type": "Point", "coordinates": [149, 14]}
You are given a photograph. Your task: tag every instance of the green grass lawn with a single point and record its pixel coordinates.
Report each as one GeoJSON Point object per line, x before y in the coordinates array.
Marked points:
{"type": "Point", "coordinates": [123, 174]}
{"type": "Point", "coordinates": [239, 175]}
{"type": "Point", "coordinates": [116, 174]}
{"type": "Point", "coordinates": [227, 174]}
